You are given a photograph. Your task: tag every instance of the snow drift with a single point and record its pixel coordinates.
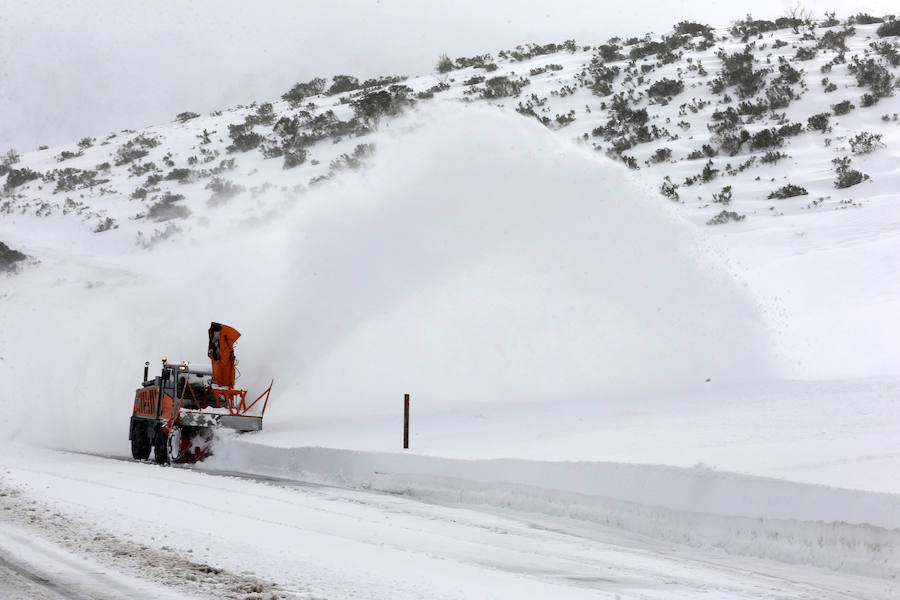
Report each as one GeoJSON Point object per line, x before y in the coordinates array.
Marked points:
{"type": "Point", "coordinates": [480, 259]}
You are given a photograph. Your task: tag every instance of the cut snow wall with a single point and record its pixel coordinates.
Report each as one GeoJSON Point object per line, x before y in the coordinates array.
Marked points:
{"type": "Point", "coordinates": [846, 530]}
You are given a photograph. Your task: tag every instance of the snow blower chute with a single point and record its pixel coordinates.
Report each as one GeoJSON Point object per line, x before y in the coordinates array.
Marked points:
{"type": "Point", "coordinates": [175, 413]}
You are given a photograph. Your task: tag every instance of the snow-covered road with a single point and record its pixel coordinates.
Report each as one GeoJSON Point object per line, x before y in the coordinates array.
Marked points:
{"type": "Point", "coordinates": [203, 534]}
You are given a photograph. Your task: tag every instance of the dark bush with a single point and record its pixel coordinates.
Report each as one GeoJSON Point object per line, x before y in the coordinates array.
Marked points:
{"type": "Point", "coordinates": [693, 29]}
{"type": "Point", "coordinates": [868, 99]}
{"type": "Point", "coordinates": [609, 52]}
{"type": "Point", "coordinates": [373, 106]}
{"type": "Point", "coordinates": [502, 86]}
{"type": "Point", "coordinates": [165, 208]}
{"type": "Point", "coordinates": [788, 191]}
{"type": "Point", "coordinates": [791, 129]}
{"type": "Point", "coordinates": [134, 149]}
{"type": "Point", "coordinates": [842, 108]}
{"type": "Point", "coordinates": [67, 154]}
{"type": "Point", "coordinates": [772, 157]}
{"type": "Point", "coordinates": [665, 88]}
{"type": "Point", "coordinates": [68, 180]}
{"type": "Point", "coordinates": [867, 19]}
{"type": "Point", "coordinates": [846, 176]}
{"type": "Point", "coordinates": [869, 73]}
{"type": "Point", "coordinates": [661, 155]}
{"type": "Point", "coordinates": [243, 138]}
{"type": "Point", "coordinates": [669, 189]}
{"type": "Point", "coordinates": [889, 50]}
{"type": "Point", "coordinates": [9, 258]}
{"type": "Point", "coordinates": [294, 157]}
{"type": "Point", "coordinates": [180, 175]}
{"type": "Point", "coordinates": [186, 116]}
{"type": "Point", "coordinates": [105, 225]}
{"type": "Point", "coordinates": [444, 64]}
{"type": "Point", "coordinates": [723, 197]}
{"type": "Point", "coordinates": [342, 83]}
{"type": "Point", "coordinates": [724, 217]}
{"type": "Point", "coordinates": [836, 40]}
{"type": "Point", "coordinates": [222, 191]}
{"type": "Point", "coordinates": [750, 27]}
{"type": "Point", "coordinates": [865, 142]}
{"type": "Point", "coordinates": [779, 95]}
{"type": "Point", "coordinates": [85, 143]}
{"type": "Point", "coordinates": [818, 122]}
{"type": "Point", "coordinates": [297, 94]}
{"type": "Point", "coordinates": [805, 53]}
{"type": "Point", "coordinates": [737, 70]}
{"type": "Point", "coordinates": [766, 138]}
{"type": "Point", "coordinates": [889, 28]}
{"type": "Point", "coordinates": [17, 177]}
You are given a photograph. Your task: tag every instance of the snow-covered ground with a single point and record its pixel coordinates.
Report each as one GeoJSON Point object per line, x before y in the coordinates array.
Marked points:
{"type": "Point", "coordinates": [610, 398]}
{"type": "Point", "coordinates": [206, 534]}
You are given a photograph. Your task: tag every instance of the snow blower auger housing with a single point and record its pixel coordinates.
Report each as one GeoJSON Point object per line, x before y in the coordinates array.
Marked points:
{"type": "Point", "coordinates": [176, 412]}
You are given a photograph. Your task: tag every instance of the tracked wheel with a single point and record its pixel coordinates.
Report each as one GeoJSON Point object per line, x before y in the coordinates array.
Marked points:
{"type": "Point", "coordinates": [140, 441]}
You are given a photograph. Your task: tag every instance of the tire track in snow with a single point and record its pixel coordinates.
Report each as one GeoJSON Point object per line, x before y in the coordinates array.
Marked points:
{"type": "Point", "coordinates": [644, 559]}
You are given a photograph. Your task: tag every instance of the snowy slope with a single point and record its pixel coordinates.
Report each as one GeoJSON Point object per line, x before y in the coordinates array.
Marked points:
{"type": "Point", "coordinates": [539, 299]}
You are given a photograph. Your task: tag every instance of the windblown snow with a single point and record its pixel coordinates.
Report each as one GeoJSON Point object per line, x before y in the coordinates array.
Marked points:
{"type": "Point", "coordinates": [588, 361]}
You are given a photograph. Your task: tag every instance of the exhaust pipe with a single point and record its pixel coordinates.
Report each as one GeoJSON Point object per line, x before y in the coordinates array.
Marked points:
{"type": "Point", "coordinates": [146, 369]}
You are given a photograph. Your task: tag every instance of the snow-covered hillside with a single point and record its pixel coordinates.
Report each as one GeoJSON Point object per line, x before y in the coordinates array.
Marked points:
{"type": "Point", "coordinates": [671, 259]}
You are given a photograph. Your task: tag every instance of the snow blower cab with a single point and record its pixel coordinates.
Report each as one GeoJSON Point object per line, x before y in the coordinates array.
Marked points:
{"type": "Point", "coordinates": [176, 412]}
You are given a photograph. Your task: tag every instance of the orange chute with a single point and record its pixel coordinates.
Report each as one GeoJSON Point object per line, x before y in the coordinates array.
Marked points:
{"type": "Point", "coordinates": [221, 351]}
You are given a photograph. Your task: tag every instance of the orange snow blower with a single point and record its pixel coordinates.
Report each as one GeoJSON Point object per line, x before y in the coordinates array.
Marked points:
{"type": "Point", "coordinates": [176, 413]}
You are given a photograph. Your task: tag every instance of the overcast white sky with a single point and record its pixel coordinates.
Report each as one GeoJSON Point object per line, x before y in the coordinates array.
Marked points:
{"type": "Point", "coordinates": [72, 68]}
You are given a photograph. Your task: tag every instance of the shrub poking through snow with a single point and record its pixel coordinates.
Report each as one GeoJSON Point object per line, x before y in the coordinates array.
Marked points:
{"type": "Point", "coordinates": [726, 216]}
{"type": "Point", "coordinates": [889, 28]}
{"type": "Point", "coordinates": [724, 196]}
{"type": "Point", "coordinates": [222, 191]}
{"type": "Point", "coordinates": [17, 177]}
{"type": "Point", "coordinates": [342, 83]}
{"type": "Point", "coordinates": [665, 88]}
{"type": "Point", "coordinates": [9, 258]}
{"type": "Point", "coordinates": [105, 225]}
{"type": "Point", "coordinates": [846, 177]}
{"type": "Point", "coordinates": [669, 189]}
{"type": "Point", "coordinates": [502, 86]}
{"type": "Point", "coordinates": [243, 138]}
{"type": "Point", "coordinates": [661, 155]}
{"type": "Point", "coordinates": [818, 122]}
{"type": "Point", "coordinates": [805, 53]}
{"type": "Point", "coordinates": [444, 64]}
{"type": "Point", "coordinates": [373, 106]}
{"type": "Point", "coordinates": [865, 142]}
{"type": "Point", "coordinates": [788, 191]}
{"type": "Point", "coordinates": [186, 116]}
{"type": "Point", "coordinates": [166, 208]}
{"type": "Point", "coordinates": [134, 149]}
{"type": "Point", "coordinates": [842, 108]}
{"type": "Point", "coordinates": [301, 91]}
{"type": "Point", "coordinates": [870, 73]}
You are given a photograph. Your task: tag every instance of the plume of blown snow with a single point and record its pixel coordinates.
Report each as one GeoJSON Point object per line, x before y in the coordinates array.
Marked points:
{"type": "Point", "coordinates": [479, 259]}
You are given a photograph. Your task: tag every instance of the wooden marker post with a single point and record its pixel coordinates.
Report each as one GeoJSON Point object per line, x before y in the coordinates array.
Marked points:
{"type": "Point", "coordinates": [405, 421]}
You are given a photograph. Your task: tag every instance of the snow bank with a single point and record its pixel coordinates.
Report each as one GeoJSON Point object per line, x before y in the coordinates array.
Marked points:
{"type": "Point", "coordinates": [480, 259]}
{"type": "Point", "coordinates": [845, 530]}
